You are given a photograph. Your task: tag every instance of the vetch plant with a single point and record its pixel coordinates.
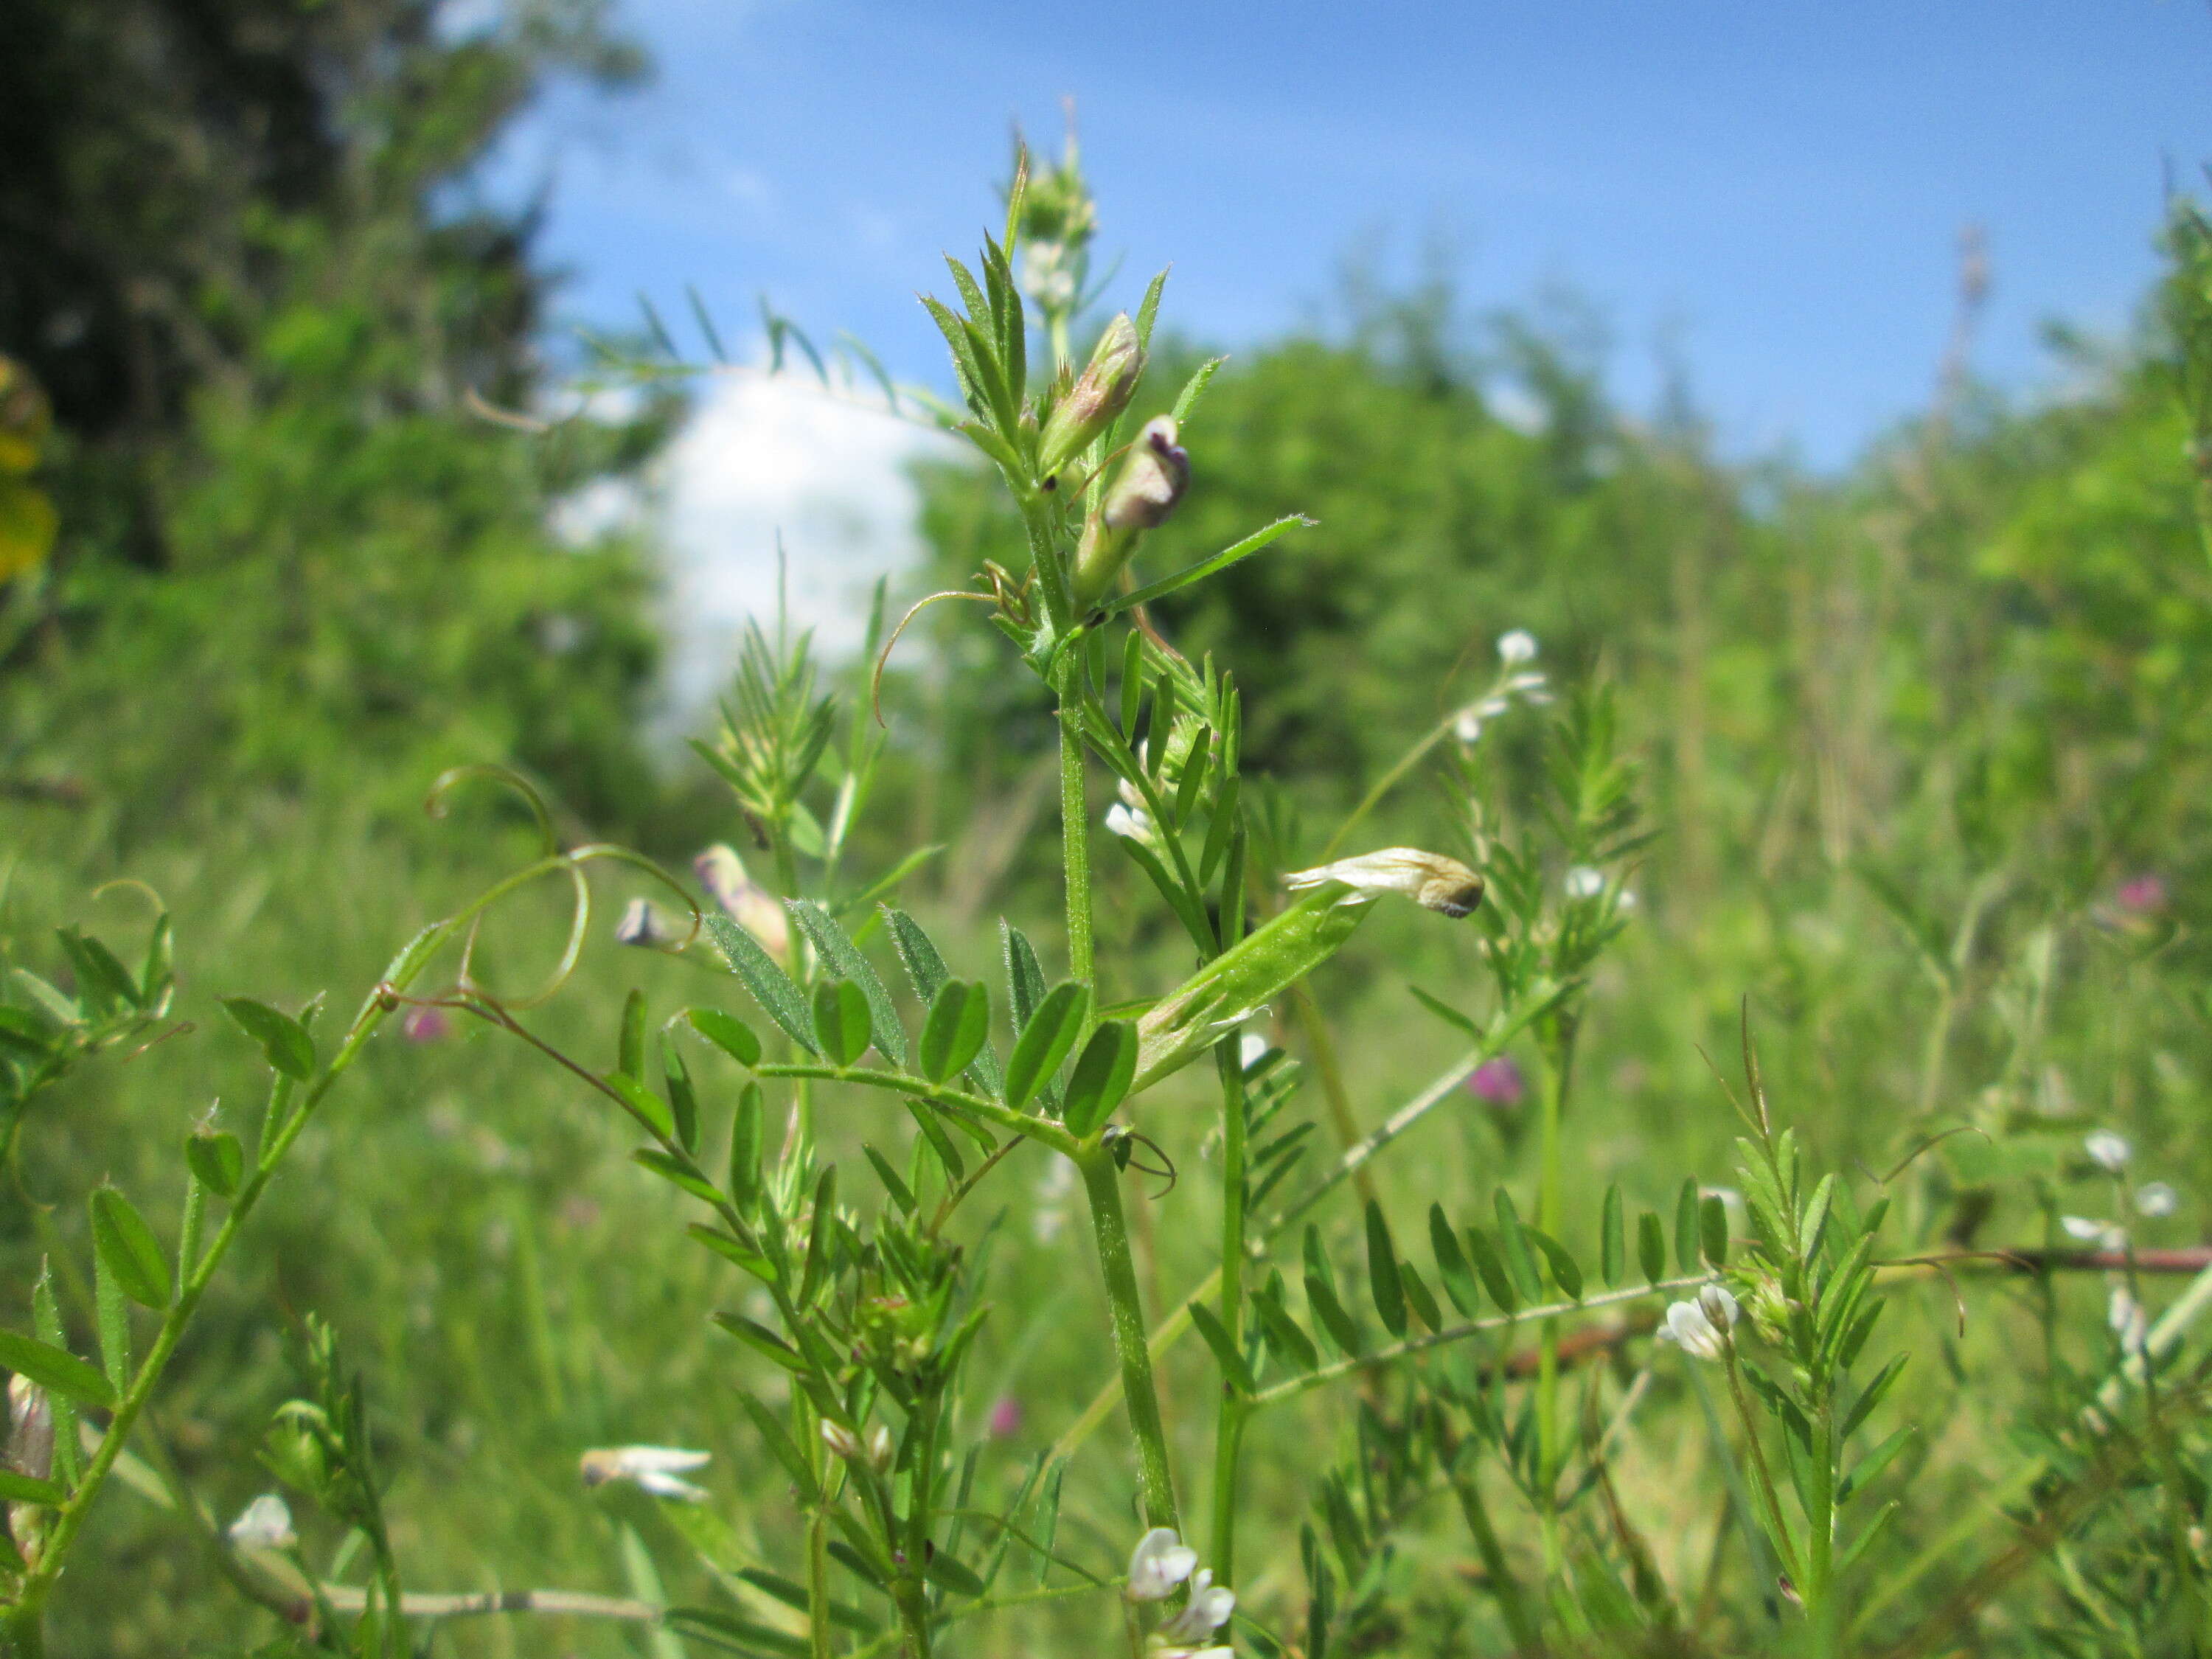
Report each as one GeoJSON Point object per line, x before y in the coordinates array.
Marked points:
{"type": "Point", "coordinates": [824, 1112]}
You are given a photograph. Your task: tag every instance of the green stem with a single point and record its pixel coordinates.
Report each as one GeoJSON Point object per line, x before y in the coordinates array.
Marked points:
{"type": "Point", "coordinates": [1291, 1386]}
{"type": "Point", "coordinates": [912, 1589]}
{"type": "Point", "coordinates": [1074, 826]}
{"type": "Point", "coordinates": [818, 1585]}
{"type": "Point", "coordinates": [1819, 1588]}
{"type": "Point", "coordinates": [1228, 1430]}
{"type": "Point", "coordinates": [1784, 1547]}
{"type": "Point", "coordinates": [1504, 1588]}
{"type": "Point", "coordinates": [1102, 1184]}
{"type": "Point", "coordinates": [1557, 1048]}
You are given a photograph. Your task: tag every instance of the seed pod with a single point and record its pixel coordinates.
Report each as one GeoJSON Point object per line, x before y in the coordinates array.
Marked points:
{"type": "Point", "coordinates": [1099, 395]}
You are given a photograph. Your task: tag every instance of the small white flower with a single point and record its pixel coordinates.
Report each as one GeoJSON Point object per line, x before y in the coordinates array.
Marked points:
{"type": "Point", "coordinates": [1430, 879]}
{"type": "Point", "coordinates": [265, 1524]}
{"type": "Point", "coordinates": [1517, 647]}
{"type": "Point", "coordinates": [1160, 1562]}
{"type": "Point", "coordinates": [652, 1468]}
{"type": "Point", "coordinates": [643, 924]}
{"type": "Point", "coordinates": [1251, 1049]}
{"type": "Point", "coordinates": [1466, 727]}
{"type": "Point", "coordinates": [1130, 822]}
{"type": "Point", "coordinates": [1583, 882]}
{"type": "Point", "coordinates": [2128, 1323]}
{"type": "Point", "coordinates": [2089, 1230]}
{"type": "Point", "coordinates": [1206, 1612]}
{"type": "Point", "coordinates": [1700, 1327]}
{"type": "Point", "coordinates": [2155, 1199]}
{"type": "Point", "coordinates": [2107, 1151]}
{"type": "Point", "coordinates": [1522, 684]}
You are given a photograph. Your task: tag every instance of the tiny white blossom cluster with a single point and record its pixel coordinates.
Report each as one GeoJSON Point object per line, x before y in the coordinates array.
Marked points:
{"type": "Point", "coordinates": [1528, 685]}
{"type": "Point", "coordinates": [1700, 1329]}
{"type": "Point", "coordinates": [265, 1524]}
{"type": "Point", "coordinates": [1162, 1561]}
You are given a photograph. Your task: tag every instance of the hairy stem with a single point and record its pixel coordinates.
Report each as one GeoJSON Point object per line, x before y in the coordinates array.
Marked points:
{"type": "Point", "coordinates": [1228, 1430]}
{"type": "Point", "coordinates": [1074, 827]}
{"type": "Point", "coordinates": [1102, 1184]}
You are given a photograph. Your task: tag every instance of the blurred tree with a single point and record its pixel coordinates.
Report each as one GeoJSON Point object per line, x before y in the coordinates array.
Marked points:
{"type": "Point", "coordinates": [245, 255]}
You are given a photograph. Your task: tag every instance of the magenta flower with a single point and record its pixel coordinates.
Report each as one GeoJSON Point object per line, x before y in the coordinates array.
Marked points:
{"type": "Point", "coordinates": [2142, 895]}
{"type": "Point", "coordinates": [1006, 1419]}
{"type": "Point", "coordinates": [1498, 1083]}
{"type": "Point", "coordinates": [425, 1025]}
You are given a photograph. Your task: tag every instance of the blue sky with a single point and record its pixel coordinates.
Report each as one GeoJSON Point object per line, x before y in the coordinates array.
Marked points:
{"type": "Point", "coordinates": [1772, 193]}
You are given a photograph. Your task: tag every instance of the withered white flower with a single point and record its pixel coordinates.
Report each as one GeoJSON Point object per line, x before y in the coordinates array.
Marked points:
{"type": "Point", "coordinates": [1583, 882]}
{"type": "Point", "coordinates": [2155, 1199]}
{"type": "Point", "coordinates": [1517, 647]}
{"type": "Point", "coordinates": [643, 924]}
{"type": "Point", "coordinates": [1160, 1562]}
{"type": "Point", "coordinates": [265, 1524]}
{"type": "Point", "coordinates": [2107, 1151]}
{"type": "Point", "coordinates": [2089, 1230]}
{"type": "Point", "coordinates": [744, 900]}
{"type": "Point", "coordinates": [1701, 1327]}
{"type": "Point", "coordinates": [653, 1467]}
{"type": "Point", "coordinates": [1430, 879]}
{"type": "Point", "coordinates": [1207, 1611]}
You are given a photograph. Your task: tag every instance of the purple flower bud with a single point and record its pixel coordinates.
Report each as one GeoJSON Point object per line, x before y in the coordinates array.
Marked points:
{"type": "Point", "coordinates": [1498, 1083]}
{"type": "Point", "coordinates": [2141, 895]}
{"type": "Point", "coordinates": [1006, 1419]}
{"type": "Point", "coordinates": [425, 1025]}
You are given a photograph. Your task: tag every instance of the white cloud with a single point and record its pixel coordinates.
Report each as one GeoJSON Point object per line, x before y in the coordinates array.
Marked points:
{"type": "Point", "coordinates": [760, 459]}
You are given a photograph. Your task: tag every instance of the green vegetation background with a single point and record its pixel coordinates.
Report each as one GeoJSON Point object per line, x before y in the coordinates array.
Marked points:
{"type": "Point", "coordinates": [1909, 732]}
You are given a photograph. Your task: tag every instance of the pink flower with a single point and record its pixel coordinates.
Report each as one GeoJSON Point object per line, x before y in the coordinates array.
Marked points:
{"type": "Point", "coordinates": [2140, 895]}
{"type": "Point", "coordinates": [425, 1025]}
{"type": "Point", "coordinates": [1006, 1419]}
{"type": "Point", "coordinates": [1498, 1083]}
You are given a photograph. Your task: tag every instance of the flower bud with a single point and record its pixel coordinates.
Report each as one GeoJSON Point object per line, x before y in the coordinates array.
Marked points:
{"type": "Point", "coordinates": [1099, 395]}
{"type": "Point", "coordinates": [1146, 490]}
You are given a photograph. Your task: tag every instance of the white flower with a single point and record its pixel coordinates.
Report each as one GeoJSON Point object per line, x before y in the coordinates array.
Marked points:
{"type": "Point", "coordinates": [1251, 1049]}
{"type": "Point", "coordinates": [1626, 900]}
{"type": "Point", "coordinates": [1206, 1612]}
{"type": "Point", "coordinates": [1583, 882]}
{"type": "Point", "coordinates": [1700, 1327]}
{"type": "Point", "coordinates": [742, 899]}
{"type": "Point", "coordinates": [2107, 1151]}
{"type": "Point", "coordinates": [1430, 879]}
{"type": "Point", "coordinates": [1468, 725]}
{"type": "Point", "coordinates": [652, 1468]}
{"type": "Point", "coordinates": [875, 1452]}
{"type": "Point", "coordinates": [265, 1524]}
{"type": "Point", "coordinates": [2155, 1199]}
{"type": "Point", "coordinates": [2128, 1323]}
{"type": "Point", "coordinates": [1517, 647]}
{"type": "Point", "coordinates": [643, 924]}
{"type": "Point", "coordinates": [1130, 822]}
{"type": "Point", "coordinates": [1160, 1562]}
{"type": "Point", "coordinates": [2102, 1234]}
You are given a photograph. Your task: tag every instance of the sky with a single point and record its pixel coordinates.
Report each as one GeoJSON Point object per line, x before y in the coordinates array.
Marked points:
{"type": "Point", "coordinates": [1767, 197]}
